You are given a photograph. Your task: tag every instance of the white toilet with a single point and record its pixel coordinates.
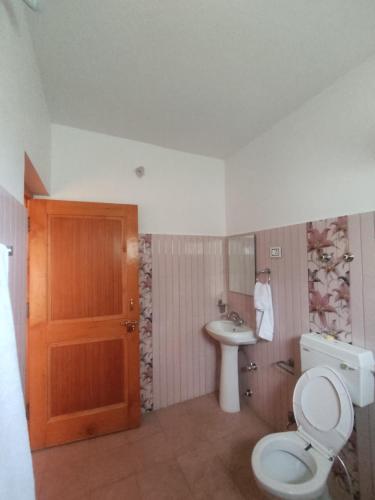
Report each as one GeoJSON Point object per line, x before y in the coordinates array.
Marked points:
{"type": "Point", "coordinates": [296, 465]}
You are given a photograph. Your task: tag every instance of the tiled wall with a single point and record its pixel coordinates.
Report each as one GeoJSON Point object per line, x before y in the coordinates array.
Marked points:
{"type": "Point", "coordinates": [346, 308]}
{"type": "Point", "coordinates": [188, 279]}
{"type": "Point", "coordinates": [362, 244]}
{"type": "Point", "coordinates": [329, 310]}
{"type": "Point", "coordinates": [13, 231]}
{"type": "Point", "coordinates": [273, 387]}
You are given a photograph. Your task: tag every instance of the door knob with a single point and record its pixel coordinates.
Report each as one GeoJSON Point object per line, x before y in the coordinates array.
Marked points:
{"type": "Point", "coordinates": [130, 325]}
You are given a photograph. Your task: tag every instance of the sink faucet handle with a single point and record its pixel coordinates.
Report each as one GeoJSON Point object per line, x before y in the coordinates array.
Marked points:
{"type": "Point", "coordinates": [236, 318]}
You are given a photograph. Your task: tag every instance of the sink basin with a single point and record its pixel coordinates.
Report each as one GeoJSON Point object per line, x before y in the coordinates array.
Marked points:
{"type": "Point", "coordinates": [230, 337]}
{"type": "Point", "coordinates": [226, 332]}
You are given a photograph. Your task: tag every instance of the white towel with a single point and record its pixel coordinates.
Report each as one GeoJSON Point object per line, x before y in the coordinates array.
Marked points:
{"type": "Point", "coordinates": [16, 472]}
{"type": "Point", "coordinates": [264, 310]}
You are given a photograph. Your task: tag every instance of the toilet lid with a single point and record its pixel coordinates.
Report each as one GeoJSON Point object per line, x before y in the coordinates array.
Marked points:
{"type": "Point", "coordinates": [323, 408]}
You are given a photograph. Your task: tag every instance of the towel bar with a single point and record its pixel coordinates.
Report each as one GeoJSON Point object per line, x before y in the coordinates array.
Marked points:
{"type": "Point", "coordinates": [287, 366]}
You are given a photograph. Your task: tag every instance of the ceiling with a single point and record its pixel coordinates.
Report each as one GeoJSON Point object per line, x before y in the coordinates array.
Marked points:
{"type": "Point", "coordinates": [203, 76]}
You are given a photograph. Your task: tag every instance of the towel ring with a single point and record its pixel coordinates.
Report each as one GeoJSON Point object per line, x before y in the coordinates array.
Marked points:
{"type": "Point", "coordinates": [266, 270]}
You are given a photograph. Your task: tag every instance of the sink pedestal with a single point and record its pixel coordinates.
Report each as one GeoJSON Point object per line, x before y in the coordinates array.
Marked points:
{"type": "Point", "coordinates": [230, 337]}
{"type": "Point", "coordinates": [229, 391]}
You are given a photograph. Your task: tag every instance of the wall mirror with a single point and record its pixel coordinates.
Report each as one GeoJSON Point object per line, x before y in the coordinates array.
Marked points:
{"type": "Point", "coordinates": [241, 263]}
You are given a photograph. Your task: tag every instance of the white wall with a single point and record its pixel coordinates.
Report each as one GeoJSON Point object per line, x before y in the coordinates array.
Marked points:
{"type": "Point", "coordinates": [24, 120]}
{"type": "Point", "coordinates": [318, 162]}
{"type": "Point", "coordinates": [181, 193]}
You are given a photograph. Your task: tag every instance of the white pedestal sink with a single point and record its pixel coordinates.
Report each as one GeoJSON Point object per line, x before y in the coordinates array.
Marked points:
{"type": "Point", "coordinates": [230, 337]}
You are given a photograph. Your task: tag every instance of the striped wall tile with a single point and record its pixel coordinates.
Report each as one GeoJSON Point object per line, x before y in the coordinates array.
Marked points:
{"type": "Point", "coordinates": [273, 388]}
{"type": "Point", "coordinates": [13, 231]}
{"type": "Point", "coordinates": [362, 272]}
{"type": "Point", "coordinates": [188, 279]}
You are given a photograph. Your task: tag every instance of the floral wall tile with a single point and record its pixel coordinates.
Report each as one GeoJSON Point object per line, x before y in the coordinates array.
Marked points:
{"type": "Point", "coordinates": [329, 282]}
{"type": "Point", "coordinates": [145, 320]}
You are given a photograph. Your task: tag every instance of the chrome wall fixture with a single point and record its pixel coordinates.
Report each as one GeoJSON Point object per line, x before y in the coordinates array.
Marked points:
{"type": "Point", "coordinates": [251, 367]}
{"type": "Point", "coordinates": [10, 250]}
{"type": "Point", "coordinates": [348, 257]}
{"type": "Point", "coordinates": [248, 393]}
{"type": "Point", "coordinates": [325, 257]}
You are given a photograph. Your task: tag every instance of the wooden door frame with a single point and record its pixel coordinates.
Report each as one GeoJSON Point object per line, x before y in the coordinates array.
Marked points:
{"type": "Point", "coordinates": [33, 186]}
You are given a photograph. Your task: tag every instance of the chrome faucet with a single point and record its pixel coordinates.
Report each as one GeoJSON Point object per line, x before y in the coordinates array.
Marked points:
{"type": "Point", "coordinates": [236, 318]}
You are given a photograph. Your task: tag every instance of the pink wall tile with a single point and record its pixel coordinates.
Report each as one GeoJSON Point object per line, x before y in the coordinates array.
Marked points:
{"type": "Point", "coordinates": [272, 387]}
{"type": "Point", "coordinates": [362, 272]}
{"type": "Point", "coordinates": [188, 279]}
{"type": "Point", "coordinates": [13, 227]}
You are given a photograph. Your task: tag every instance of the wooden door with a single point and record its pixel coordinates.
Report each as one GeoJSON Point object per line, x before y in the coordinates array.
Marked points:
{"type": "Point", "coordinates": [83, 343]}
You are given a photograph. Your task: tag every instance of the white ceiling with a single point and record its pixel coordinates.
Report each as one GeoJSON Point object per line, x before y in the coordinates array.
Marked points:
{"type": "Point", "coordinates": [203, 76]}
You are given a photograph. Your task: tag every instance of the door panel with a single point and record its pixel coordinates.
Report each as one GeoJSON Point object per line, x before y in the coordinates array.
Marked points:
{"type": "Point", "coordinates": [94, 369]}
{"type": "Point", "coordinates": [76, 246]}
{"type": "Point", "coordinates": [83, 361]}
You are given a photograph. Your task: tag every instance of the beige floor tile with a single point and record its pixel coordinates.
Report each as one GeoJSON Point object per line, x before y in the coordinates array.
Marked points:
{"type": "Point", "coordinates": [38, 460]}
{"type": "Point", "coordinates": [189, 450]}
{"type": "Point", "coordinates": [203, 407]}
{"type": "Point", "coordinates": [207, 476]}
{"type": "Point", "coordinates": [125, 489]}
{"type": "Point", "coordinates": [108, 465]}
{"type": "Point", "coordinates": [67, 481]}
{"type": "Point", "coordinates": [152, 450]}
{"type": "Point", "coordinates": [173, 412]}
{"type": "Point", "coordinates": [182, 433]}
{"type": "Point", "coordinates": [53, 457]}
{"type": "Point", "coordinates": [164, 482]}
{"type": "Point", "coordinates": [149, 426]}
{"type": "Point", "coordinates": [245, 482]}
{"type": "Point", "coordinates": [38, 483]}
{"type": "Point", "coordinates": [234, 451]}
{"type": "Point", "coordinates": [236, 448]}
{"type": "Point", "coordinates": [109, 441]}
{"type": "Point", "coordinates": [222, 424]}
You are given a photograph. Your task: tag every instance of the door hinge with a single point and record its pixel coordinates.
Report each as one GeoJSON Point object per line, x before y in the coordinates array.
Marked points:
{"type": "Point", "coordinates": [28, 224]}
{"type": "Point", "coordinates": [27, 310]}
{"type": "Point", "coordinates": [27, 411]}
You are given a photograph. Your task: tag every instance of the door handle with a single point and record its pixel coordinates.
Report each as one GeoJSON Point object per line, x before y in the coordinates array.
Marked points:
{"type": "Point", "coordinates": [130, 325]}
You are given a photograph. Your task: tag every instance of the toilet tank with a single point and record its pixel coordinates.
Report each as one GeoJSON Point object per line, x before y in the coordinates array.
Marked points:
{"type": "Point", "coordinates": [354, 364]}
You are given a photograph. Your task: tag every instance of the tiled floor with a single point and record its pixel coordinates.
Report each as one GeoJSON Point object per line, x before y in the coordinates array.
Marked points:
{"type": "Point", "coordinates": [191, 450]}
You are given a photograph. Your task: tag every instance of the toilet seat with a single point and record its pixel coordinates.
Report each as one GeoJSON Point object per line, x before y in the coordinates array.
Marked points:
{"type": "Point", "coordinates": [323, 409]}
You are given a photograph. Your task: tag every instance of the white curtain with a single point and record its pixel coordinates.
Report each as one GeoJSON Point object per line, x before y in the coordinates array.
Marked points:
{"type": "Point", "coordinates": [16, 472]}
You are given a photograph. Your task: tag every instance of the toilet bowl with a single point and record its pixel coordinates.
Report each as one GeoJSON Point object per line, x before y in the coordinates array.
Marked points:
{"type": "Point", "coordinates": [284, 469]}
{"type": "Point", "coordinates": [296, 465]}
